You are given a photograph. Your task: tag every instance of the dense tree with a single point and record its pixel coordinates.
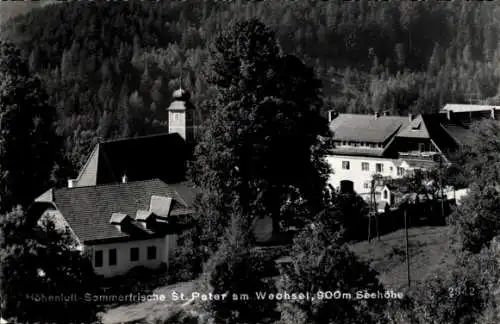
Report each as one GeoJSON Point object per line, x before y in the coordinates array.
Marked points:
{"type": "Point", "coordinates": [44, 278]}
{"type": "Point", "coordinates": [347, 210]}
{"type": "Point", "coordinates": [476, 220]}
{"type": "Point", "coordinates": [266, 141]}
{"type": "Point", "coordinates": [30, 146]}
{"type": "Point", "coordinates": [321, 263]}
{"type": "Point", "coordinates": [480, 157]}
{"type": "Point", "coordinates": [368, 55]}
{"type": "Point", "coordinates": [235, 271]}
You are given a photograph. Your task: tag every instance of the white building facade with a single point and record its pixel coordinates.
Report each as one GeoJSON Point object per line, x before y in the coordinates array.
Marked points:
{"type": "Point", "coordinates": [361, 169]}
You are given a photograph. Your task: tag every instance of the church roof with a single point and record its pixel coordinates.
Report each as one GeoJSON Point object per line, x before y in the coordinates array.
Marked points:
{"type": "Point", "coordinates": [160, 156]}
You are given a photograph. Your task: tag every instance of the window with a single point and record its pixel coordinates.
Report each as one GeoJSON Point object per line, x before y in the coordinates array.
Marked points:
{"type": "Point", "coordinates": [134, 254]}
{"type": "Point", "coordinates": [365, 166]}
{"type": "Point", "coordinates": [112, 257]}
{"type": "Point", "coordinates": [366, 185]}
{"type": "Point", "coordinates": [385, 194]}
{"type": "Point", "coordinates": [391, 168]}
{"type": "Point", "coordinates": [345, 165]}
{"type": "Point", "coordinates": [401, 171]}
{"type": "Point", "coordinates": [98, 259]}
{"type": "Point", "coordinates": [421, 147]}
{"type": "Point", "coordinates": [379, 168]}
{"type": "Point", "coordinates": [151, 252]}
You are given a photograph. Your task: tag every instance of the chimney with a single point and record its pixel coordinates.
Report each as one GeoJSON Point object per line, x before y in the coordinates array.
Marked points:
{"type": "Point", "coordinates": [493, 113]}
{"type": "Point", "coordinates": [377, 115]}
{"type": "Point", "coordinates": [71, 183]}
{"type": "Point", "coordinates": [124, 178]}
{"type": "Point", "coordinates": [410, 117]}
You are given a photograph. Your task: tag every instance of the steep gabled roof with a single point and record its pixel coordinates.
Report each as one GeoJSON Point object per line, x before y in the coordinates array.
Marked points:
{"type": "Point", "coordinates": [88, 209]}
{"type": "Point", "coordinates": [366, 128]}
{"type": "Point", "coordinates": [429, 126]}
{"type": "Point", "coordinates": [416, 129]}
{"type": "Point", "coordinates": [160, 156]}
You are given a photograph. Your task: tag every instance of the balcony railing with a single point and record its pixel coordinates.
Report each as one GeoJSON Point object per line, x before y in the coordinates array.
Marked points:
{"type": "Point", "coordinates": [425, 155]}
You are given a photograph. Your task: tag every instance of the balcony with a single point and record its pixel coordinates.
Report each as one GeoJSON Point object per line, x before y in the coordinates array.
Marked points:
{"type": "Point", "coordinates": [421, 155]}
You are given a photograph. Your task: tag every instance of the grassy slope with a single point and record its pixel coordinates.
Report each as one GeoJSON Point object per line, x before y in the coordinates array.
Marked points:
{"type": "Point", "coordinates": [429, 249]}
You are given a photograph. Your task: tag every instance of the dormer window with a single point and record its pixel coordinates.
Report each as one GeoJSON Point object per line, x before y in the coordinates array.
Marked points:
{"type": "Point", "coordinates": [160, 206]}
{"type": "Point", "coordinates": [120, 220]}
{"type": "Point", "coordinates": [145, 218]}
{"type": "Point", "coordinates": [416, 126]}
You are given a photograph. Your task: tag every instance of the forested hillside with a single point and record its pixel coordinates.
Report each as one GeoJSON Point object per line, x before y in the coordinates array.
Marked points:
{"type": "Point", "coordinates": [110, 67]}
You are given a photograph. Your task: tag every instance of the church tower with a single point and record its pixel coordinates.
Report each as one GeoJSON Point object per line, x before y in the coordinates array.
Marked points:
{"type": "Point", "coordinates": [182, 115]}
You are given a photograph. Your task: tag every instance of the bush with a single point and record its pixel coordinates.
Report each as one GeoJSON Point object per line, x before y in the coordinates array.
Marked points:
{"type": "Point", "coordinates": [463, 294]}
{"type": "Point", "coordinates": [44, 279]}
{"type": "Point", "coordinates": [233, 270]}
{"type": "Point", "coordinates": [186, 262]}
{"type": "Point", "coordinates": [476, 220]}
{"type": "Point", "coordinates": [321, 264]}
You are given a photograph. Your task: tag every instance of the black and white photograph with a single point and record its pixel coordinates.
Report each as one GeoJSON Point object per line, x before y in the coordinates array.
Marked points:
{"type": "Point", "coordinates": [250, 162]}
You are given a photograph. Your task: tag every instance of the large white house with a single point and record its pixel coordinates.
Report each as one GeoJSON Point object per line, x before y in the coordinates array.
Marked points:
{"type": "Point", "coordinates": [392, 146]}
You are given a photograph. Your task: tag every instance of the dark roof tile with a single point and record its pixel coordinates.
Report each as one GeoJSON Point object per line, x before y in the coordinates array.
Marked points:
{"type": "Point", "coordinates": [366, 128]}
{"type": "Point", "coordinates": [160, 156]}
{"type": "Point", "coordinates": [88, 209]}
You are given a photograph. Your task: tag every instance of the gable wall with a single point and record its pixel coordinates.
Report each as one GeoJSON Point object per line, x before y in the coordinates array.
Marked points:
{"type": "Point", "coordinates": [88, 175]}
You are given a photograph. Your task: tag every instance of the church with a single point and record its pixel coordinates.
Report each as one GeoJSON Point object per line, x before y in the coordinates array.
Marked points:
{"type": "Point", "coordinates": [125, 205]}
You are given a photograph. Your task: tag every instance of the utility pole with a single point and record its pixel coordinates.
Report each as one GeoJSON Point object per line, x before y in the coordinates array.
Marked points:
{"type": "Point", "coordinates": [369, 226]}
{"type": "Point", "coordinates": [370, 214]}
{"type": "Point", "coordinates": [440, 157]}
{"type": "Point", "coordinates": [407, 247]}
{"type": "Point", "coordinates": [373, 212]}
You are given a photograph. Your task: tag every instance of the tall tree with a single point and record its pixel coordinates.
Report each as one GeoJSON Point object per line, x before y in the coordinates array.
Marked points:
{"type": "Point", "coordinates": [476, 221]}
{"type": "Point", "coordinates": [265, 140]}
{"type": "Point", "coordinates": [28, 142]}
